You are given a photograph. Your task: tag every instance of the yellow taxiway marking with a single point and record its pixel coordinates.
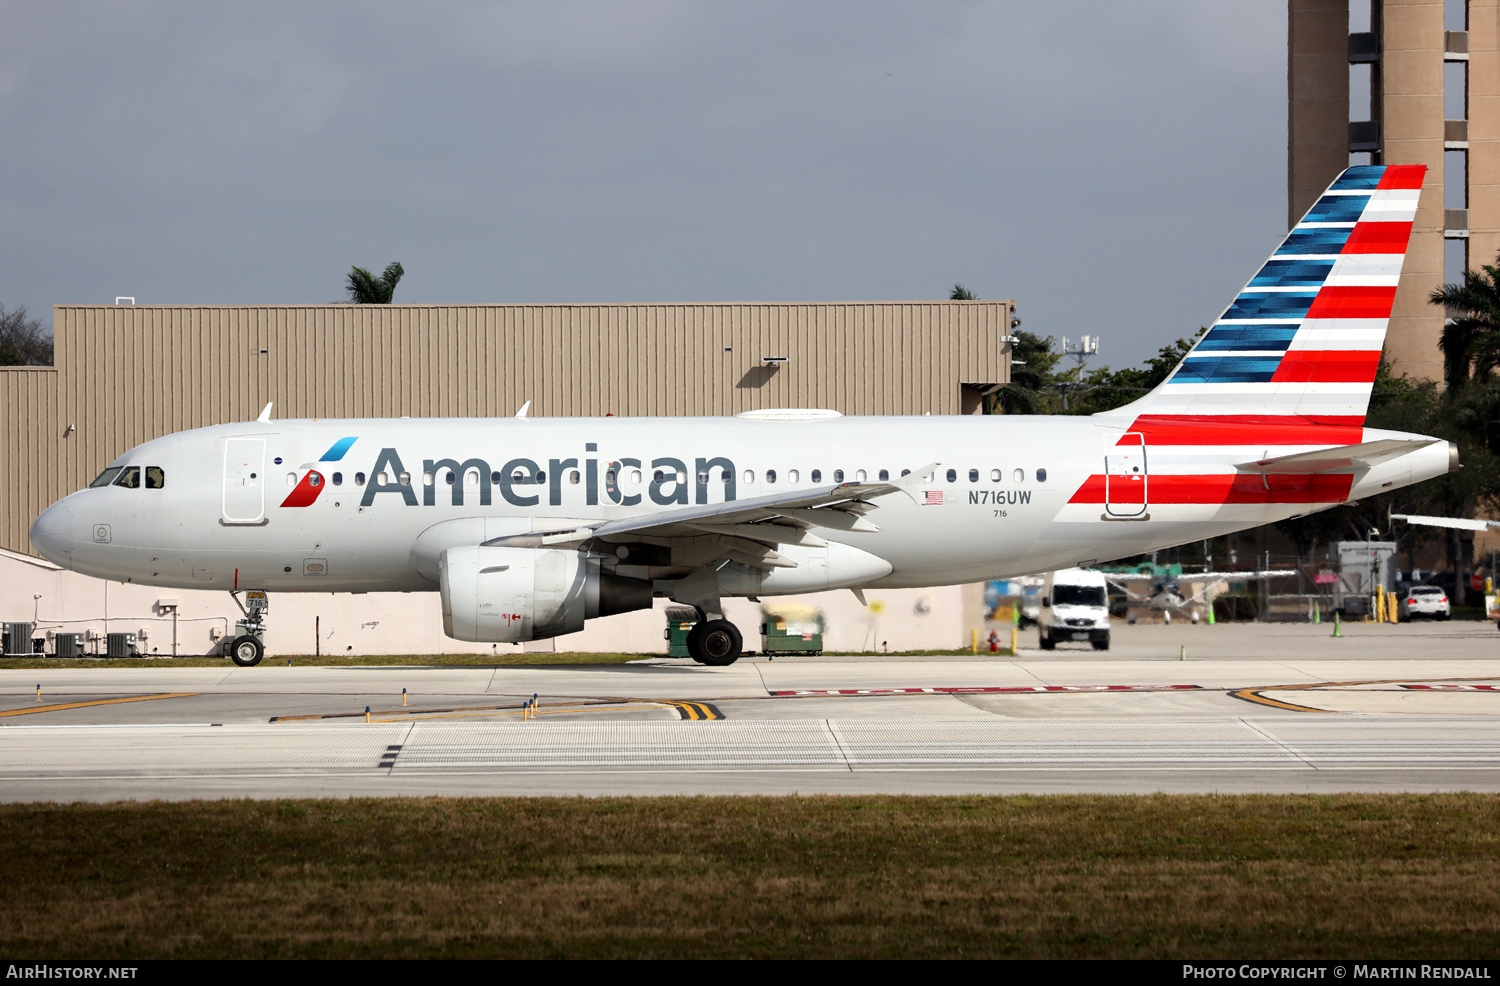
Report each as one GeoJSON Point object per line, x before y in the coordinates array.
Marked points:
{"type": "Point", "coordinates": [696, 711]}
{"type": "Point", "coordinates": [1257, 696]}
{"type": "Point", "coordinates": [101, 701]}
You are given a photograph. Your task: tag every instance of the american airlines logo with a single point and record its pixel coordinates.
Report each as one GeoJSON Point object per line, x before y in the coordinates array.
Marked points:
{"type": "Point", "coordinates": [519, 477]}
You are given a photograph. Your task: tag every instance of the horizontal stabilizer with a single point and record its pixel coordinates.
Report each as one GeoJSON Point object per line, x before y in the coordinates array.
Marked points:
{"type": "Point", "coordinates": [1338, 459]}
{"type": "Point", "coordinates": [1458, 522]}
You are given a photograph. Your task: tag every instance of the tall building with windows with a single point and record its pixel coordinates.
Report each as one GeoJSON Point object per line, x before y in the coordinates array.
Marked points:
{"type": "Point", "coordinates": [1403, 82]}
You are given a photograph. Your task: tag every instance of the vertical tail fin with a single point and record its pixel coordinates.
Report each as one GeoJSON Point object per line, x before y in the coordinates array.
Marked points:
{"type": "Point", "coordinates": [1301, 343]}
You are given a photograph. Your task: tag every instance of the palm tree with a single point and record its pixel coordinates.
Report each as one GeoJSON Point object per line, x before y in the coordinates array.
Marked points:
{"type": "Point", "coordinates": [1471, 340]}
{"type": "Point", "coordinates": [961, 293]}
{"type": "Point", "coordinates": [367, 289]}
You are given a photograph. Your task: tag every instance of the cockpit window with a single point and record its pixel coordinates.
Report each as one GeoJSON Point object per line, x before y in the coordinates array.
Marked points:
{"type": "Point", "coordinates": [106, 477]}
{"type": "Point", "coordinates": [155, 478]}
{"type": "Point", "coordinates": [130, 477]}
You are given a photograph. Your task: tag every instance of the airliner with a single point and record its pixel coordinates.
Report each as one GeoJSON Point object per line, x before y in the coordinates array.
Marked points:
{"type": "Point", "coordinates": [528, 527]}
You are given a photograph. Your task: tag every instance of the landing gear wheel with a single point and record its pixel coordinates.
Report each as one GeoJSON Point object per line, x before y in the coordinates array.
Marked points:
{"type": "Point", "coordinates": [716, 643]}
{"type": "Point", "coordinates": [246, 651]}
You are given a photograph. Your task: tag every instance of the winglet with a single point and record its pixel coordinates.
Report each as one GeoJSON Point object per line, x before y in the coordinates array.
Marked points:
{"type": "Point", "coordinates": [524, 408]}
{"type": "Point", "coordinates": [908, 484]}
{"type": "Point", "coordinates": [265, 414]}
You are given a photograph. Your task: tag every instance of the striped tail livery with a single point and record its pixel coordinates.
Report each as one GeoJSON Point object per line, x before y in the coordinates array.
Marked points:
{"type": "Point", "coordinates": [1265, 418]}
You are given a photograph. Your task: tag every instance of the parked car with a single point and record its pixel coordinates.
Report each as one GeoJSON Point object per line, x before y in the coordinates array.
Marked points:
{"type": "Point", "coordinates": [1424, 600]}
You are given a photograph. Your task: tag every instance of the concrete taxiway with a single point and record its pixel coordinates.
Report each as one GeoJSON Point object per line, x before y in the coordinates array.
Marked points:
{"type": "Point", "coordinates": [1253, 708]}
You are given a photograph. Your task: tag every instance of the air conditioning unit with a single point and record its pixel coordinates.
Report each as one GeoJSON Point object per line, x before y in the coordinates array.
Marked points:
{"type": "Point", "coordinates": [120, 645]}
{"type": "Point", "coordinates": [16, 639]}
{"type": "Point", "coordinates": [67, 645]}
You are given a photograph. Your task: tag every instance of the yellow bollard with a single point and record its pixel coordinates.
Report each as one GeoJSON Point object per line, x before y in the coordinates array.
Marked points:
{"type": "Point", "coordinates": [403, 698]}
{"type": "Point", "coordinates": [367, 713]}
{"type": "Point", "coordinates": [974, 641]}
{"type": "Point", "coordinates": [38, 693]}
{"type": "Point", "coordinates": [1015, 640]}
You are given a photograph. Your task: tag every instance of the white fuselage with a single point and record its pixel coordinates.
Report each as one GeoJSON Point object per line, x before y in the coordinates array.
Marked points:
{"type": "Point", "coordinates": [1014, 505]}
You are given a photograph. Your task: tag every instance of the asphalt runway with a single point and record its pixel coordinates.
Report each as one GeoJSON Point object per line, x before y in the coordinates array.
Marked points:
{"type": "Point", "coordinates": [1273, 708]}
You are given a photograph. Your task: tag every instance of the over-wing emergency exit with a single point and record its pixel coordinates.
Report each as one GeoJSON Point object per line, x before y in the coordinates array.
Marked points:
{"type": "Point", "coordinates": [528, 527]}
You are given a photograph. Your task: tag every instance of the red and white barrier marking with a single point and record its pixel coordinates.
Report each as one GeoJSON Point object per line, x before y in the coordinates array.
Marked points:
{"type": "Point", "coordinates": [977, 689]}
{"type": "Point", "coordinates": [1455, 688]}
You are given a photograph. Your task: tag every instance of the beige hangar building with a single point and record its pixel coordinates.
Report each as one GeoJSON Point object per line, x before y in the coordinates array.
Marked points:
{"type": "Point", "coordinates": [125, 374]}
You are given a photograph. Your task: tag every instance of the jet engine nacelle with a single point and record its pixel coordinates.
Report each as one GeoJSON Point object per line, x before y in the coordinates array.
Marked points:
{"type": "Point", "coordinates": [515, 594]}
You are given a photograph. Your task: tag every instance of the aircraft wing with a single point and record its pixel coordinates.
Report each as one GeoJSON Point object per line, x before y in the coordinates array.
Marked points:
{"type": "Point", "coordinates": [1342, 457]}
{"type": "Point", "coordinates": [1458, 522]}
{"type": "Point", "coordinates": [750, 525]}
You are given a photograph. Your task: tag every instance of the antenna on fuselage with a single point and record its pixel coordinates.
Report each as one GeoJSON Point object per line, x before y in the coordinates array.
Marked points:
{"type": "Point", "coordinates": [265, 414]}
{"type": "Point", "coordinates": [524, 408]}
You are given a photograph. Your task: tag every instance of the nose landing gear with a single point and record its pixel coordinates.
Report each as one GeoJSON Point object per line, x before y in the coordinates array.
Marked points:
{"type": "Point", "coordinates": [248, 648]}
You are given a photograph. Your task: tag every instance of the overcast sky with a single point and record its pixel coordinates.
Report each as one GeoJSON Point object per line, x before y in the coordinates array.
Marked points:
{"type": "Point", "coordinates": [1118, 169]}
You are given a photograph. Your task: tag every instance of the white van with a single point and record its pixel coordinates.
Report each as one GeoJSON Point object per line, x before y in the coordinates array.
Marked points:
{"type": "Point", "coordinates": [1075, 606]}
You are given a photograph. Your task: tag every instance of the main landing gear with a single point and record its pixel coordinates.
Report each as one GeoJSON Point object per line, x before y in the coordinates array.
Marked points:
{"type": "Point", "coordinates": [716, 643]}
{"type": "Point", "coordinates": [247, 649]}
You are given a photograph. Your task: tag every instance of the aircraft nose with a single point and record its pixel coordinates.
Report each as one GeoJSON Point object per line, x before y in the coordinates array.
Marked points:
{"type": "Point", "coordinates": [52, 534]}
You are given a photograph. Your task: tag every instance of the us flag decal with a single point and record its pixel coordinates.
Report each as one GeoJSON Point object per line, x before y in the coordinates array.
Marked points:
{"type": "Point", "coordinates": [934, 498]}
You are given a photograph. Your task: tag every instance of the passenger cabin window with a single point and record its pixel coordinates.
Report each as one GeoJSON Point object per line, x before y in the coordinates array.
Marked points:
{"type": "Point", "coordinates": [359, 479]}
{"type": "Point", "coordinates": [338, 479]}
{"type": "Point", "coordinates": [952, 475]}
{"type": "Point", "coordinates": [817, 475]}
{"type": "Point", "coordinates": [449, 478]}
{"type": "Point", "coordinates": [884, 475]}
{"type": "Point", "coordinates": [838, 475]}
{"type": "Point", "coordinates": [749, 477]}
{"type": "Point", "coordinates": [106, 477]}
{"type": "Point", "coordinates": [791, 475]}
{"type": "Point", "coordinates": [573, 476]}
{"type": "Point", "coordinates": [1041, 475]}
{"type": "Point", "coordinates": [1020, 475]}
{"type": "Point", "coordinates": [771, 476]}
{"type": "Point", "coordinates": [973, 475]}
{"type": "Point", "coordinates": [130, 477]}
{"type": "Point", "coordinates": [859, 475]}
{"type": "Point", "coordinates": [994, 475]}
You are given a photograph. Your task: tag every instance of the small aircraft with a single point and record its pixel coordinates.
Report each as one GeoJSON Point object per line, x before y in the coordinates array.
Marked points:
{"type": "Point", "coordinates": [1166, 596]}
{"type": "Point", "coordinates": [528, 527]}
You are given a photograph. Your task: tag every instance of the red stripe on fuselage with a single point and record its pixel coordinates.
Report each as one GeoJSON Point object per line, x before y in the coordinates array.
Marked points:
{"type": "Point", "coordinates": [1247, 429]}
{"type": "Point", "coordinates": [1344, 302]}
{"type": "Point", "coordinates": [306, 491]}
{"type": "Point", "coordinates": [1327, 366]}
{"type": "Point", "coordinates": [1378, 238]}
{"type": "Point", "coordinates": [1224, 488]}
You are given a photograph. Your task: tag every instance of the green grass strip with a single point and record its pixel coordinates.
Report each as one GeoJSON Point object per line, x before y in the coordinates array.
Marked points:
{"type": "Point", "coordinates": [1367, 876]}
